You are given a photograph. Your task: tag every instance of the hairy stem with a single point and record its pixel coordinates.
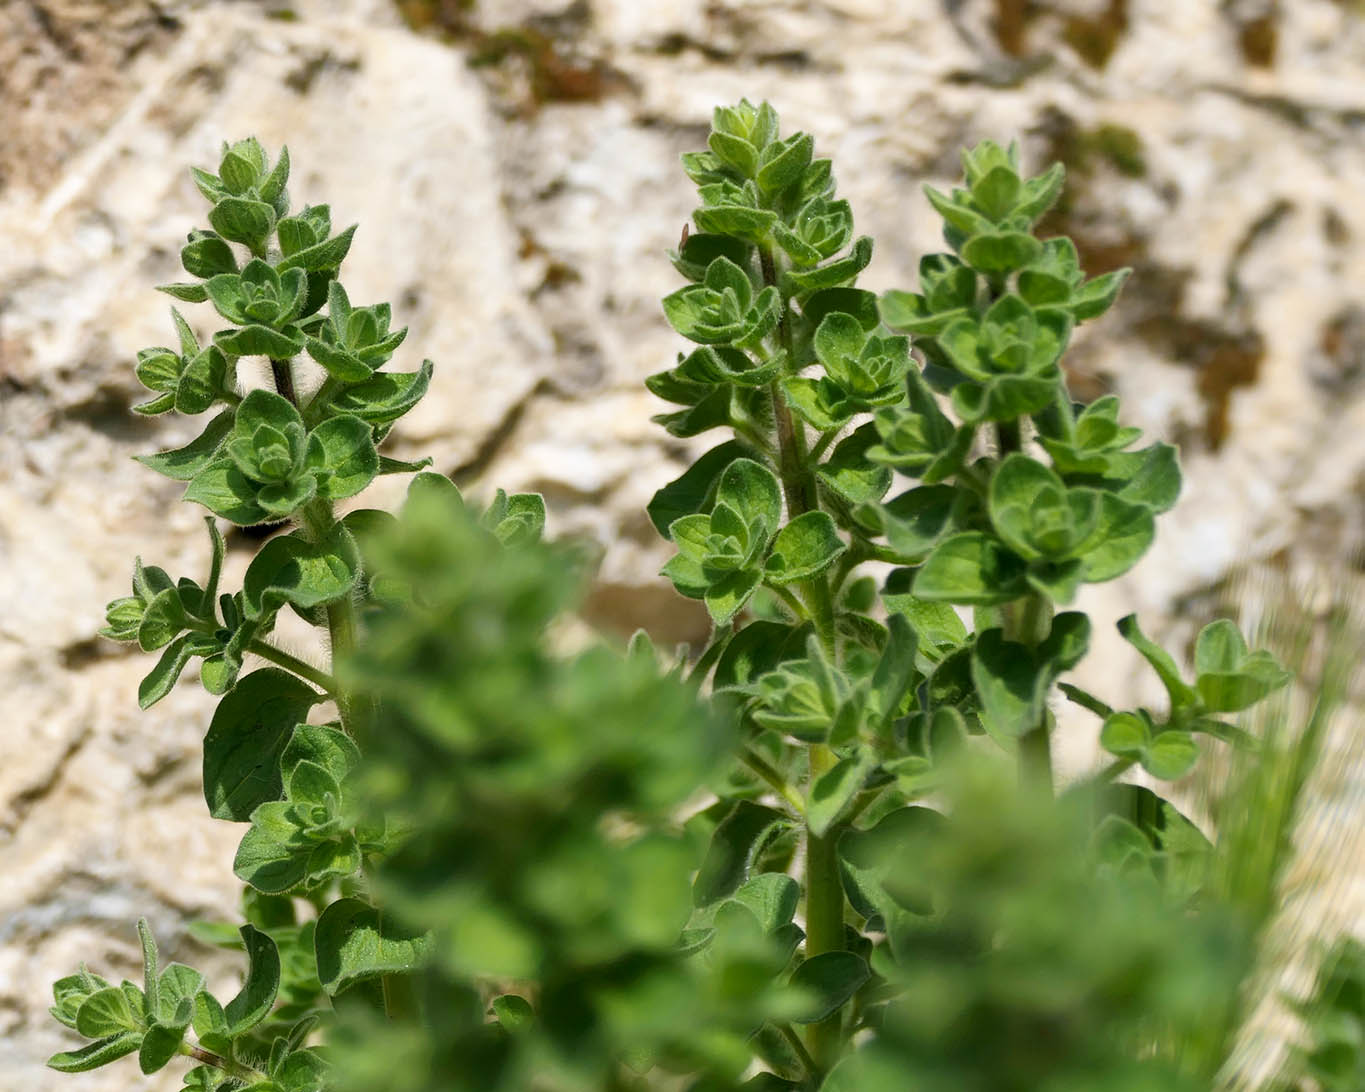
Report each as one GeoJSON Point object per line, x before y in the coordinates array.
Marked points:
{"type": "Point", "coordinates": [821, 604]}
{"type": "Point", "coordinates": [709, 656]}
{"type": "Point", "coordinates": [301, 668]}
{"type": "Point", "coordinates": [812, 1068]}
{"type": "Point", "coordinates": [1029, 620]}
{"type": "Point", "coordinates": [318, 520]}
{"type": "Point", "coordinates": [235, 1069]}
{"type": "Point", "coordinates": [824, 887]}
{"type": "Point", "coordinates": [280, 658]}
{"type": "Point", "coordinates": [822, 444]}
{"type": "Point", "coordinates": [795, 605]}
{"type": "Point", "coordinates": [317, 405]}
{"type": "Point", "coordinates": [824, 910]}
{"type": "Point", "coordinates": [283, 373]}
{"type": "Point", "coordinates": [768, 773]}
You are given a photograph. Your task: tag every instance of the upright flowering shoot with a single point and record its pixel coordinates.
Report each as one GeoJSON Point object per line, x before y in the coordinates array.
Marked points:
{"type": "Point", "coordinates": [931, 430]}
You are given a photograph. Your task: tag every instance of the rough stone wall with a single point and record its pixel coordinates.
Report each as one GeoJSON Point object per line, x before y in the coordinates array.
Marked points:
{"type": "Point", "coordinates": [516, 211]}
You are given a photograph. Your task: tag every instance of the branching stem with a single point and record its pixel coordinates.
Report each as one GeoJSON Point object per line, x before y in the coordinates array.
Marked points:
{"type": "Point", "coordinates": [813, 1069]}
{"type": "Point", "coordinates": [765, 770]}
{"type": "Point", "coordinates": [301, 668]}
{"type": "Point", "coordinates": [280, 658]}
{"type": "Point", "coordinates": [793, 604]}
{"type": "Point", "coordinates": [235, 1069]}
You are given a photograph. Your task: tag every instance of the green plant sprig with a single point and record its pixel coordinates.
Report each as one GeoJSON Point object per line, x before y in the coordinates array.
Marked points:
{"type": "Point", "coordinates": [852, 709]}
{"type": "Point", "coordinates": [285, 456]}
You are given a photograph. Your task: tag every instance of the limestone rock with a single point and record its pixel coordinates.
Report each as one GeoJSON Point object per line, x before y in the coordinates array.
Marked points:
{"type": "Point", "coordinates": [517, 216]}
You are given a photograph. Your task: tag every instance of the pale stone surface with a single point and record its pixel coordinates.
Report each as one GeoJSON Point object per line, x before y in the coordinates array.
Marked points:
{"type": "Point", "coordinates": [524, 247]}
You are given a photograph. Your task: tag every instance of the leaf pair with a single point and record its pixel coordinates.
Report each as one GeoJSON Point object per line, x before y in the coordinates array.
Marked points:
{"type": "Point", "coordinates": [268, 466]}
{"type": "Point", "coordinates": [1049, 538]}
{"type": "Point", "coordinates": [725, 554]}
{"type": "Point", "coordinates": [724, 308]}
{"type": "Point", "coordinates": [354, 341]}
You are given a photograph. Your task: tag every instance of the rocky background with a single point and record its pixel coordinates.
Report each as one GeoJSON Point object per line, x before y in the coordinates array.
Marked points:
{"type": "Point", "coordinates": [513, 166]}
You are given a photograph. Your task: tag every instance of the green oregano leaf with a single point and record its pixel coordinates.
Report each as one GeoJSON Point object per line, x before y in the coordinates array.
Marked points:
{"type": "Point", "coordinates": [1181, 694]}
{"type": "Point", "coordinates": [355, 944]}
{"type": "Point", "coordinates": [772, 897]}
{"type": "Point", "coordinates": [386, 396]}
{"type": "Point", "coordinates": [694, 490]}
{"type": "Point", "coordinates": [249, 731]}
{"type": "Point", "coordinates": [847, 472]}
{"type": "Point", "coordinates": [1170, 755]}
{"type": "Point", "coordinates": [184, 463]}
{"type": "Point", "coordinates": [292, 569]}
{"type": "Point", "coordinates": [106, 1050]}
{"type": "Point", "coordinates": [971, 568]}
{"type": "Point", "coordinates": [833, 791]}
{"type": "Point", "coordinates": [225, 491]}
{"type": "Point", "coordinates": [258, 993]}
{"type": "Point", "coordinates": [829, 980]}
{"type": "Point", "coordinates": [162, 621]}
{"type": "Point", "coordinates": [240, 220]}
{"type": "Point", "coordinates": [514, 1013]}
{"type": "Point", "coordinates": [159, 681]}
{"type": "Point", "coordinates": [159, 1045]}
{"type": "Point", "coordinates": [1126, 735]}
{"type": "Point", "coordinates": [734, 845]}
{"type": "Point", "coordinates": [108, 1012]}
{"type": "Point", "coordinates": [806, 546]}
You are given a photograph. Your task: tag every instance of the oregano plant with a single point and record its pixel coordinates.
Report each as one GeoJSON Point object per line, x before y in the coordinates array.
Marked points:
{"type": "Point", "coordinates": [281, 455]}
{"type": "Point", "coordinates": [825, 850]}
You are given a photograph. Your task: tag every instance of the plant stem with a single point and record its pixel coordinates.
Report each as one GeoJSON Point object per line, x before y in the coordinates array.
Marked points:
{"type": "Point", "coordinates": [854, 556]}
{"type": "Point", "coordinates": [821, 604]}
{"type": "Point", "coordinates": [824, 909]}
{"type": "Point", "coordinates": [970, 477]}
{"type": "Point", "coordinates": [795, 605]}
{"type": "Point", "coordinates": [207, 1057]}
{"type": "Point", "coordinates": [765, 770]}
{"type": "Point", "coordinates": [824, 887]}
{"type": "Point", "coordinates": [1113, 771]}
{"type": "Point", "coordinates": [793, 458]}
{"type": "Point", "coordinates": [280, 658]}
{"type": "Point", "coordinates": [284, 380]}
{"type": "Point", "coordinates": [709, 656]}
{"type": "Point", "coordinates": [1009, 437]}
{"type": "Point", "coordinates": [303, 670]}
{"type": "Point", "coordinates": [317, 405]}
{"type": "Point", "coordinates": [400, 996]}
{"type": "Point", "coordinates": [747, 431]}
{"type": "Point", "coordinates": [1035, 755]}
{"type": "Point", "coordinates": [826, 438]}
{"type": "Point", "coordinates": [318, 519]}
{"type": "Point", "coordinates": [1029, 620]}
{"type": "Point", "coordinates": [791, 448]}
{"type": "Point", "coordinates": [812, 1068]}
